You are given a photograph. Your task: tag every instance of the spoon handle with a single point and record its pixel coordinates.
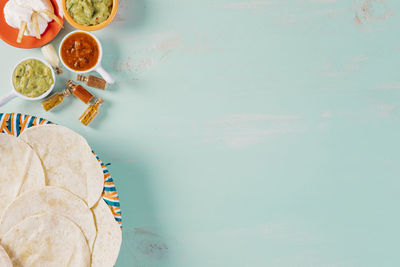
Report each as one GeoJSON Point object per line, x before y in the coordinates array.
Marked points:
{"type": "Point", "coordinates": [106, 76]}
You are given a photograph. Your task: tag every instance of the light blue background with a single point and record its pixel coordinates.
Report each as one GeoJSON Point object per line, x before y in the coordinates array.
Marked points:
{"type": "Point", "coordinates": [248, 133]}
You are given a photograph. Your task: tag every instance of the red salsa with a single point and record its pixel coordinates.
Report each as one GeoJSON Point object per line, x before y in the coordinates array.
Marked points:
{"type": "Point", "coordinates": [80, 51]}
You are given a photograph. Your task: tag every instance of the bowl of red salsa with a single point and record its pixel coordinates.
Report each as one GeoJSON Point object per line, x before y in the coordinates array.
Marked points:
{"type": "Point", "coordinates": [81, 52]}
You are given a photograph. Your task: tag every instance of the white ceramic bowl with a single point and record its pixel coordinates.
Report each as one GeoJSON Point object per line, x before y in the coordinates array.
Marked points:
{"type": "Point", "coordinates": [106, 76]}
{"type": "Point", "coordinates": [14, 92]}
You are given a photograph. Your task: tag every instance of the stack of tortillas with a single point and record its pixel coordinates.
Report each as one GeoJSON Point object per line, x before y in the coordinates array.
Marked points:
{"type": "Point", "coordinates": [52, 212]}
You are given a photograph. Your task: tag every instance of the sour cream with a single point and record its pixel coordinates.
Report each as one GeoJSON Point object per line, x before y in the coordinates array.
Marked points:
{"type": "Point", "coordinates": [16, 11]}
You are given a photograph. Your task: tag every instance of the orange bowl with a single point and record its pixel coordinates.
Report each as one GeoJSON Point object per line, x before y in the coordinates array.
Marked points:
{"type": "Point", "coordinates": [90, 28]}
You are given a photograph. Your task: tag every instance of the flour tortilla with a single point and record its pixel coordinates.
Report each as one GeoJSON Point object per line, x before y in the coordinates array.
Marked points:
{"type": "Point", "coordinates": [109, 237]}
{"type": "Point", "coordinates": [68, 160]}
{"type": "Point", "coordinates": [46, 240]}
{"type": "Point", "coordinates": [5, 260]}
{"type": "Point", "coordinates": [51, 200]}
{"type": "Point", "coordinates": [20, 169]}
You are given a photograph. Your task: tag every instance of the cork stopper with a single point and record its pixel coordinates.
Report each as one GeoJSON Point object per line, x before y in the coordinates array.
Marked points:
{"type": "Point", "coordinates": [66, 92]}
{"type": "Point", "coordinates": [70, 83]}
{"type": "Point", "coordinates": [81, 78]}
{"type": "Point", "coordinates": [99, 101]}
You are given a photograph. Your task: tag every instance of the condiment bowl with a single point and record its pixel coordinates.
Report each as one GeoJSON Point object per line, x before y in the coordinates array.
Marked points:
{"type": "Point", "coordinates": [98, 68]}
{"type": "Point", "coordinates": [89, 28]}
{"type": "Point", "coordinates": [14, 92]}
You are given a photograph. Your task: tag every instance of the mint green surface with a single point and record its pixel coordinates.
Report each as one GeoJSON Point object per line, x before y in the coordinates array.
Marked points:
{"type": "Point", "coordinates": [248, 133]}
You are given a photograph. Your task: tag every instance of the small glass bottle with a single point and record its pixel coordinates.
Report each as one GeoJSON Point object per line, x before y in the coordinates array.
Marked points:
{"type": "Point", "coordinates": [91, 112]}
{"type": "Point", "coordinates": [93, 81]}
{"type": "Point", "coordinates": [55, 100]}
{"type": "Point", "coordinates": [80, 92]}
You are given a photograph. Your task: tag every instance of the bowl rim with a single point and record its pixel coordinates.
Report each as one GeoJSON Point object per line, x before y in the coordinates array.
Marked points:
{"type": "Point", "coordinates": [89, 28]}
{"type": "Point", "coordinates": [42, 95]}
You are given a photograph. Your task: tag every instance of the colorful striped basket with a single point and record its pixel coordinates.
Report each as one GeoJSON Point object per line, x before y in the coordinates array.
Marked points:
{"type": "Point", "coordinates": [15, 123]}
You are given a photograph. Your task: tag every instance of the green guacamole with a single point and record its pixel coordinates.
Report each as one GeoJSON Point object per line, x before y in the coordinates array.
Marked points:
{"type": "Point", "coordinates": [32, 78]}
{"type": "Point", "coordinates": [89, 12]}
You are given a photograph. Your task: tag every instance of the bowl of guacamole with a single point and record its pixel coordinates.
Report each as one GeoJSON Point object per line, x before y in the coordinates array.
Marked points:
{"type": "Point", "coordinates": [33, 78]}
{"type": "Point", "coordinates": [90, 15]}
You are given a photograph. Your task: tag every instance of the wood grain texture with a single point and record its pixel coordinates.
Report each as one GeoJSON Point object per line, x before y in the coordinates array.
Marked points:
{"type": "Point", "coordinates": [248, 132]}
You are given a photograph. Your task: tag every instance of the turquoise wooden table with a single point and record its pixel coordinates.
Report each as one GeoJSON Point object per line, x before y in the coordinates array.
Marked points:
{"type": "Point", "coordinates": [248, 133]}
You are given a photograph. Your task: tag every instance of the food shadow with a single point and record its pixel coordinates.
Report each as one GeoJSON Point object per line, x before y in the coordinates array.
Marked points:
{"type": "Point", "coordinates": [111, 54]}
{"type": "Point", "coordinates": [142, 232]}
